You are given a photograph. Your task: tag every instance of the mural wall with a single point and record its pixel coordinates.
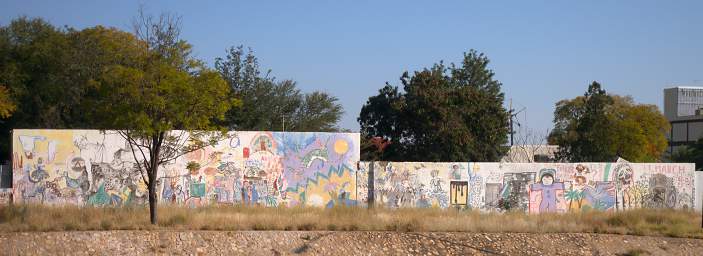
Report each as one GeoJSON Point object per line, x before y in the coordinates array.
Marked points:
{"type": "Point", "coordinates": [89, 167]}
{"type": "Point", "coordinates": [415, 184]}
{"type": "Point", "coordinates": [532, 187]}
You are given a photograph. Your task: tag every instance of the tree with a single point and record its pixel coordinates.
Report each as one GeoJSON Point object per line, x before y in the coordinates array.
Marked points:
{"type": "Point", "coordinates": [32, 57]}
{"type": "Point", "coordinates": [690, 154]}
{"type": "Point", "coordinates": [52, 74]}
{"type": "Point", "coordinates": [168, 90]}
{"type": "Point", "coordinates": [7, 105]}
{"type": "Point", "coordinates": [446, 113]}
{"type": "Point", "coordinates": [599, 127]}
{"type": "Point", "coordinates": [271, 105]}
{"type": "Point", "coordinates": [528, 144]}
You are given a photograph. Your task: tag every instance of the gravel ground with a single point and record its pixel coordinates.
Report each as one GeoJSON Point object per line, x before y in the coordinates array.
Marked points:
{"type": "Point", "coordinates": [336, 243]}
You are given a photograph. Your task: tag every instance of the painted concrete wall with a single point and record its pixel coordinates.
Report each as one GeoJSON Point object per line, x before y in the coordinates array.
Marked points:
{"type": "Point", "coordinates": [532, 187]}
{"type": "Point", "coordinates": [87, 167]}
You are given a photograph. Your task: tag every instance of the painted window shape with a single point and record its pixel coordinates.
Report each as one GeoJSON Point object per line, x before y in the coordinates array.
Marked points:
{"type": "Point", "coordinates": [459, 192]}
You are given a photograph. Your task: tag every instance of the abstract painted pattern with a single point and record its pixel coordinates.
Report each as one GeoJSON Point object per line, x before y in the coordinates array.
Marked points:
{"type": "Point", "coordinates": [89, 167]}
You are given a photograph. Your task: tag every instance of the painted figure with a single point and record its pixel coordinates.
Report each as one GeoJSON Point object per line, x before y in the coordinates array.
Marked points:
{"type": "Point", "coordinates": [435, 182]}
{"type": "Point", "coordinates": [549, 191]}
{"type": "Point", "coordinates": [626, 195]}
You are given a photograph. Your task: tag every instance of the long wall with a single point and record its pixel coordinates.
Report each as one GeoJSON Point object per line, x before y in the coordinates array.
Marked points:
{"type": "Point", "coordinates": [89, 167]}
{"type": "Point", "coordinates": [531, 187]}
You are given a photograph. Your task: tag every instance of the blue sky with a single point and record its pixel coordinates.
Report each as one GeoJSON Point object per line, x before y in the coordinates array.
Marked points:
{"type": "Point", "coordinates": [542, 51]}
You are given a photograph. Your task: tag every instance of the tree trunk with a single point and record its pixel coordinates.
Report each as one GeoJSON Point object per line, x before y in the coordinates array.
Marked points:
{"type": "Point", "coordinates": [153, 174]}
{"type": "Point", "coordinates": [571, 202]}
{"type": "Point", "coordinates": [152, 202]}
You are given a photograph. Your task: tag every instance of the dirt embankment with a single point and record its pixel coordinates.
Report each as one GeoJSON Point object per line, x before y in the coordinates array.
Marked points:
{"type": "Point", "coordinates": [337, 243]}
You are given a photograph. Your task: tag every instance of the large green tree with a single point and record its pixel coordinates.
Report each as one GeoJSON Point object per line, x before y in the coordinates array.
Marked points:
{"type": "Point", "coordinates": [268, 104]}
{"type": "Point", "coordinates": [165, 105]}
{"type": "Point", "coordinates": [33, 54]}
{"type": "Point", "coordinates": [599, 127]}
{"type": "Point", "coordinates": [52, 74]}
{"type": "Point", "coordinates": [444, 113]}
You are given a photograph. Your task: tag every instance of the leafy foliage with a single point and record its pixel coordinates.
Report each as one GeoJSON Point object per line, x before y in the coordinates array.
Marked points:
{"type": "Point", "coordinates": [690, 154]}
{"type": "Point", "coordinates": [166, 90]}
{"type": "Point", "coordinates": [53, 74]}
{"type": "Point", "coordinates": [7, 105]}
{"type": "Point", "coordinates": [599, 127]}
{"type": "Point", "coordinates": [266, 102]}
{"type": "Point", "coordinates": [446, 113]}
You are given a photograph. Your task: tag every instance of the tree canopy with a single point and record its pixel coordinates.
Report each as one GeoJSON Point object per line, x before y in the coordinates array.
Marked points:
{"type": "Point", "coordinates": [53, 74]}
{"type": "Point", "coordinates": [267, 103]}
{"type": "Point", "coordinates": [599, 127]}
{"type": "Point", "coordinates": [444, 113]}
{"type": "Point", "coordinates": [166, 89]}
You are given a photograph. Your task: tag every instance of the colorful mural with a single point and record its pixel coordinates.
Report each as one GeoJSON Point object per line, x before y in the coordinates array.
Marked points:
{"type": "Point", "coordinates": [408, 184]}
{"type": "Point", "coordinates": [89, 167]}
{"type": "Point", "coordinates": [534, 187]}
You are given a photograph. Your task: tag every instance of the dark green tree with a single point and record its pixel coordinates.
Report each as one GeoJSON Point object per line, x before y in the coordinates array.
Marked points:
{"type": "Point", "coordinates": [690, 154]}
{"type": "Point", "coordinates": [32, 57]}
{"type": "Point", "coordinates": [452, 113]}
{"type": "Point", "coordinates": [267, 104]}
{"type": "Point", "coordinates": [52, 74]}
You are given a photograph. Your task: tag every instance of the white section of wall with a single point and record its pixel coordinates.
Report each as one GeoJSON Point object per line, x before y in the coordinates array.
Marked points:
{"type": "Point", "coordinates": [699, 191]}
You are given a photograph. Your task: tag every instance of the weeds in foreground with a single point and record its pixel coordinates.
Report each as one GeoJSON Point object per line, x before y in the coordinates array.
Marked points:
{"type": "Point", "coordinates": [71, 218]}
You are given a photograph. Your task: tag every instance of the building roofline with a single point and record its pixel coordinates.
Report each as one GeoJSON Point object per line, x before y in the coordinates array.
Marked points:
{"type": "Point", "coordinates": [685, 87]}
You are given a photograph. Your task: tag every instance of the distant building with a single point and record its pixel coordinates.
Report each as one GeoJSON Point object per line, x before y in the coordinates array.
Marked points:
{"type": "Point", "coordinates": [682, 107]}
{"type": "Point", "coordinates": [531, 154]}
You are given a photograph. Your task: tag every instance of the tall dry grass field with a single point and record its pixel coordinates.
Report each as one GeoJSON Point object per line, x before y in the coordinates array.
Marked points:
{"type": "Point", "coordinates": [636, 222]}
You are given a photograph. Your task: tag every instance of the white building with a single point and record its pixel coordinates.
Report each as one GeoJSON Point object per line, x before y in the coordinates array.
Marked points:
{"type": "Point", "coordinates": [531, 154]}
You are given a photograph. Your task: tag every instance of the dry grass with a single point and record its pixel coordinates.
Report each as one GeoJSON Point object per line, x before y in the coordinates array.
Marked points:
{"type": "Point", "coordinates": [636, 222]}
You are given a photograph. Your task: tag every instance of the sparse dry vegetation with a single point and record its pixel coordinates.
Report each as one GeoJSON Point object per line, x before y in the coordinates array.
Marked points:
{"type": "Point", "coordinates": [636, 222]}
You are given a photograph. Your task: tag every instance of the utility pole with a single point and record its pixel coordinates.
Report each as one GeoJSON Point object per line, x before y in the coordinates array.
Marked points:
{"type": "Point", "coordinates": [511, 122]}
{"type": "Point", "coordinates": [513, 114]}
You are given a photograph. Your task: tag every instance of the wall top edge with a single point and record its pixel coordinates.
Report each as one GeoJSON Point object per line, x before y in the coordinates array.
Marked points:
{"type": "Point", "coordinates": [97, 130]}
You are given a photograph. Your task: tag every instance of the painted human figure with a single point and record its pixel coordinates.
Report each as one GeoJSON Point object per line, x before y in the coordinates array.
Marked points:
{"type": "Point", "coordinates": [549, 192]}
{"type": "Point", "coordinates": [627, 198]}
{"type": "Point", "coordinates": [435, 182]}
{"type": "Point", "coordinates": [180, 194]}
{"type": "Point", "coordinates": [254, 194]}
{"type": "Point", "coordinates": [245, 192]}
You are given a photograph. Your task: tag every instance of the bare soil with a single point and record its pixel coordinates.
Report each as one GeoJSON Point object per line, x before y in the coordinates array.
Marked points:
{"type": "Point", "coordinates": [337, 243]}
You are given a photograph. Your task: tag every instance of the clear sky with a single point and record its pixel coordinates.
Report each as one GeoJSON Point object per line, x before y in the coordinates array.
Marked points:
{"type": "Point", "coordinates": [541, 51]}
